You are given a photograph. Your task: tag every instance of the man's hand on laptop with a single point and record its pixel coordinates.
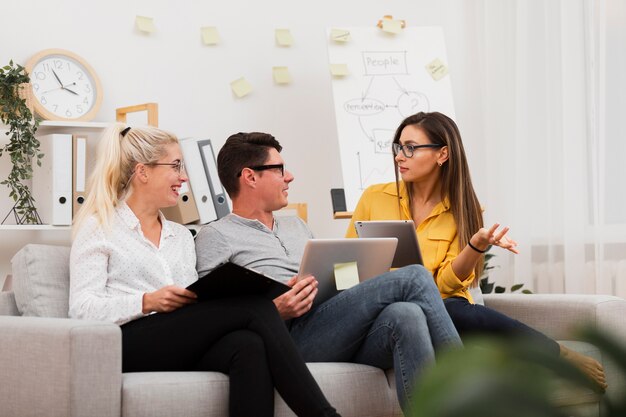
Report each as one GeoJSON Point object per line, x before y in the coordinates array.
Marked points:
{"type": "Point", "coordinates": [299, 299]}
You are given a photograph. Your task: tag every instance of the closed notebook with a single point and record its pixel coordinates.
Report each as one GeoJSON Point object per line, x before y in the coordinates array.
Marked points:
{"type": "Point", "coordinates": [232, 280]}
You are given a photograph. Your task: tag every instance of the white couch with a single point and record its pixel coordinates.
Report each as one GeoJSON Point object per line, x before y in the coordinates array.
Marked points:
{"type": "Point", "coordinates": [55, 366]}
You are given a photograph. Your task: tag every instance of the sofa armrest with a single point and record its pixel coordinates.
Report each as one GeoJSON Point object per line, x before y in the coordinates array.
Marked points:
{"type": "Point", "coordinates": [60, 367]}
{"type": "Point", "coordinates": [557, 315]}
{"type": "Point", "coordinates": [7, 304]}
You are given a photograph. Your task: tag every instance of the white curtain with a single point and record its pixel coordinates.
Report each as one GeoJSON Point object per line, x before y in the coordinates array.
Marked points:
{"type": "Point", "coordinates": [553, 105]}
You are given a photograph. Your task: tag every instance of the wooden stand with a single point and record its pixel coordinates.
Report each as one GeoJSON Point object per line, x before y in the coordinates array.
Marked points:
{"type": "Point", "coordinates": [342, 215]}
{"type": "Point", "coordinates": [151, 108]}
{"type": "Point", "coordinates": [300, 208]}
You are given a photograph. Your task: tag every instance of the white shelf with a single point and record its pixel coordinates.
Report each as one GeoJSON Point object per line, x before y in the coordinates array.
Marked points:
{"type": "Point", "coordinates": [63, 124]}
{"type": "Point", "coordinates": [52, 126]}
{"type": "Point", "coordinates": [86, 125]}
{"type": "Point", "coordinates": [33, 227]}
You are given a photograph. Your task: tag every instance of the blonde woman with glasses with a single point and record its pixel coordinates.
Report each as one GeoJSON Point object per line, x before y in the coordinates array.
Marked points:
{"type": "Point", "coordinates": [129, 265]}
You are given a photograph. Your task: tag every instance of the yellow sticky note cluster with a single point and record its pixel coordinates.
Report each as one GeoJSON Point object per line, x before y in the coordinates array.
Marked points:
{"type": "Point", "coordinates": [241, 87]}
{"type": "Point", "coordinates": [392, 26]}
{"type": "Point", "coordinates": [210, 36]}
{"type": "Point", "coordinates": [437, 69]}
{"type": "Point", "coordinates": [283, 37]}
{"type": "Point", "coordinates": [281, 75]}
{"type": "Point", "coordinates": [346, 275]}
{"type": "Point", "coordinates": [145, 24]}
{"type": "Point", "coordinates": [339, 70]}
{"type": "Point", "coordinates": [339, 35]}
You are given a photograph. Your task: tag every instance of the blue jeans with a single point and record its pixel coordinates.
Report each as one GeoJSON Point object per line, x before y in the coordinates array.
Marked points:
{"type": "Point", "coordinates": [396, 320]}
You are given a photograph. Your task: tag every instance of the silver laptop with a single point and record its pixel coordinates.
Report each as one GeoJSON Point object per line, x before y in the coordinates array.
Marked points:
{"type": "Point", "coordinates": [408, 252]}
{"type": "Point", "coordinates": [373, 258]}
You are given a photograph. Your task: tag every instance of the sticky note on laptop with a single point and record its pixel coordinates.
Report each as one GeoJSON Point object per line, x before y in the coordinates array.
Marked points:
{"type": "Point", "coordinates": [346, 275]}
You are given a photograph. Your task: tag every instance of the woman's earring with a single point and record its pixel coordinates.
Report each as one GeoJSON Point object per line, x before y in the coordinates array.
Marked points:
{"type": "Point", "coordinates": [439, 163]}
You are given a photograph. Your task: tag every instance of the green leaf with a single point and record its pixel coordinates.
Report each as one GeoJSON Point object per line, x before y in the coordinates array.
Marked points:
{"type": "Point", "coordinates": [23, 144]}
{"type": "Point", "coordinates": [527, 292]}
{"type": "Point", "coordinates": [516, 287]}
{"type": "Point", "coordinates": [500, 290]}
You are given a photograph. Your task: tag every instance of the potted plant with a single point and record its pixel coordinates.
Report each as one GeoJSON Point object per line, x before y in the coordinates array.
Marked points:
{"type": "Point", "coordinates": [23, 146]}
{"type": "Point", "coordinates": [487, 287]}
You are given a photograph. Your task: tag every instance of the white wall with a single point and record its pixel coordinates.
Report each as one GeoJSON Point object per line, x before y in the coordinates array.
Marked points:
{"type": "Point", "coordinates": [190, 81]}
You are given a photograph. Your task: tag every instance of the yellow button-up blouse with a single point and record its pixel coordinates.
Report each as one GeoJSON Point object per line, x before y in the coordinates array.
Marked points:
{"type": "Point", "coordinates": [437, 234]}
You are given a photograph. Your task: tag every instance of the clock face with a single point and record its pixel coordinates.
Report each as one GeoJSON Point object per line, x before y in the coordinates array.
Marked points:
{"type": "Point", "coordinates": [64, 88]}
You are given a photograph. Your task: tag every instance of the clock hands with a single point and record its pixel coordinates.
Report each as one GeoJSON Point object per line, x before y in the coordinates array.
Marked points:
{"type": "Point", "coordinates": [57, 77]}
{"type": "Point", "coordinates": [63, 87]}
{"type": "Point", "coordinates": [67, 89]}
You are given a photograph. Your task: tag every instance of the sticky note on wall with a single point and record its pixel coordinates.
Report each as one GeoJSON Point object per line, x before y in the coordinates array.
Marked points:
{"type": "Point", "coordinates": [437, 69]}
{"type": "Point", "coordinates": [281, 75]}
{"type": "Point", "coordinates": [339, 35]}
{"type": "Point", "coordinates": [346, 275]}
{"type": "Point", "coordinates": [392, 26]}
{"type": "Point", "coordinates": [145, 24]}
{"type": "Point", "coordinates": [283, 37]}
{"type": "Point", "coordinates": [339, 70]}
{"type": "Point", "coordinates": [241, 87]}
{"type": "Point", "coordinates": [210, 36]}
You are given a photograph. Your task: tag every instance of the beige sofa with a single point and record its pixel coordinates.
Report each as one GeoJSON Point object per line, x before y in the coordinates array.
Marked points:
{"type": "Point", "coordinates": [55, 366]}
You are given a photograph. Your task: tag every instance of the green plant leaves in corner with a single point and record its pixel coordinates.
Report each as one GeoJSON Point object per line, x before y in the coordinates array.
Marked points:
{"type": "Point", "coordinates": [23, 146]}
{"type": "Point", "coordinates": [508, 377]}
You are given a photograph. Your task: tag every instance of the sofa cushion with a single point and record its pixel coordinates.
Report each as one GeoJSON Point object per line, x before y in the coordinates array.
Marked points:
{"type": "Point", "coordinates": [7, 304]}
{"type": "Point", "coordinates": [355, 390]}
{"type": "Point", "coordinates": [41, 280]}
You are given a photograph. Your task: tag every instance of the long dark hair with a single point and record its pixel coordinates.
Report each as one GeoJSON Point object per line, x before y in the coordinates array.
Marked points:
{"type": "Point", "coordinates": [456, 182]}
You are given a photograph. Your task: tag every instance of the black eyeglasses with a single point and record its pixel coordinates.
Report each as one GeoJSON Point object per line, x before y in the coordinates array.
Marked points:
{"type": "Point", "coordinates": [266, 167]}
{"type": "Point", "coordinates": [409, 150]}
{"type": "Point", "coordinates": [178, 166]}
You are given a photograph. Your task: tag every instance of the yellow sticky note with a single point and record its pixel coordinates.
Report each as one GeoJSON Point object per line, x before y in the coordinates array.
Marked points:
{"type": "Point", "coordinates": [210, 35]}
{"type": "Point", "coordinates": [340, 35]}
{"type": "Point", "coordinates": [283, 37]}
{"type": "Point", "coordinates": [437, 69]}
{"type": "Point", "coordinates": [339, 70]}
{"type": "Point", "coordinates": [281, 75]}
{"type": "Point", "coordinates": [392, 26]}
{"type": "Point", "coordinates": [145, 24]}
{"type": "Point", "coordinates": [241, 87]}
{"type": "Point", "coordinates": [346, 275]}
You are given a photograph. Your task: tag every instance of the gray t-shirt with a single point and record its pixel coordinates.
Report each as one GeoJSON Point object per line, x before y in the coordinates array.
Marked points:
{"type": "Point", "coordinates": [276, 253]}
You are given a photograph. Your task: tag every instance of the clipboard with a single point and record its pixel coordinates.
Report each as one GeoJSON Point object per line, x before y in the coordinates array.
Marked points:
{"type": "Point", "coordinates": [232, 280]}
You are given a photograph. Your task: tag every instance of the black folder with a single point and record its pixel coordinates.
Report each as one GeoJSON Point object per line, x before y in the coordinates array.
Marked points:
{"type": "Point", "coordinates": [232, 280]}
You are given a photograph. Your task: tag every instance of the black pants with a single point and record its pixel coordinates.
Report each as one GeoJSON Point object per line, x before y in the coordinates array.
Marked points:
{"type": "Point", "coordinates": [474, 319]}
{"type": "Point", "coordinates": [242, 337]}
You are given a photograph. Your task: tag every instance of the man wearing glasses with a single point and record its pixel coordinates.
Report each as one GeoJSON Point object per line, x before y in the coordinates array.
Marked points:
{"type": "Point", "coordinates": [396, 320]}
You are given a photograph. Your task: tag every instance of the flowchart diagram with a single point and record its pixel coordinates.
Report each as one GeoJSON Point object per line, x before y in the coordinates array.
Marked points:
{"type": "Point", "coordinates": [388, 81]}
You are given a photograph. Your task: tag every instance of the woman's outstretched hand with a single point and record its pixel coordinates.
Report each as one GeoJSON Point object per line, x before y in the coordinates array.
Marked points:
{"type": "Point", "coordinates": [492, 236]}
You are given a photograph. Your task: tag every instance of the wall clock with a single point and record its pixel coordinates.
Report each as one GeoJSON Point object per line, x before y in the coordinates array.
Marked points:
{"type": "Point", "coordinates": [64, 86]}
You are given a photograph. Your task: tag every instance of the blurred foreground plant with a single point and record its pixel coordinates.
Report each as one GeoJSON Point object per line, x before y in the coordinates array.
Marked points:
{"type": "Point", "coordinates": [509, 378]}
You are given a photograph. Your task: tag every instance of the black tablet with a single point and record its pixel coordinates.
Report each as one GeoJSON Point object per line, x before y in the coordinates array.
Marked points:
{"type": "Point", "coordinates": [231, 280]}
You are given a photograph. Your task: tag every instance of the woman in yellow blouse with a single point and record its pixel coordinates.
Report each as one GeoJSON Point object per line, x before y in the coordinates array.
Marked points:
{"type": "Point", "coordinates": [436, 192]}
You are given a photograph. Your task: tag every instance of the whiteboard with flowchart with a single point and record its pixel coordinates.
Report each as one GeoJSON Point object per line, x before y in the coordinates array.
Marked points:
{"type": "Point", "coordinates": [379, 79]}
